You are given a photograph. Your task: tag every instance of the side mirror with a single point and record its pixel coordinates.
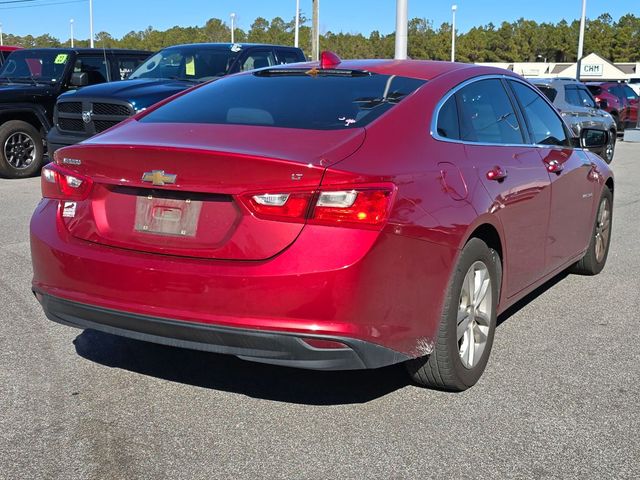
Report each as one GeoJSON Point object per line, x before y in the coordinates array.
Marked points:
{"type": "Point", "coordinates": [79, 79]}
{"type": "Point", "coordinates": [602, 104]}
{"type": "Point", "coordinates": [593, 138]}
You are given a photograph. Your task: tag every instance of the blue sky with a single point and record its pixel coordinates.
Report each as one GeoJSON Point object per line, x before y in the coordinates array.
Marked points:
{"type": "Point", "coordinates": [121, 16]}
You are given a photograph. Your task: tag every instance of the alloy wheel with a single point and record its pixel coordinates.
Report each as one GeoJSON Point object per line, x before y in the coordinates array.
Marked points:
{"type": "Point", "coordinates": [603, 229]}
{"type": "Point", "coordinates": [20, 150]}
{"type": "Point", "coordinates": [474, 314]}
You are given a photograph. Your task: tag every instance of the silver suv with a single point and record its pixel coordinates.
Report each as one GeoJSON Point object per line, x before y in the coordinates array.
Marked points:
{"type": "Point", "coordinates": [579, 109]}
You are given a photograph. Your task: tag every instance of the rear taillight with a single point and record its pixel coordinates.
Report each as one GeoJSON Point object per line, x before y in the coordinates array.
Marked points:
{"type": "Point", "coordinates": [357, 207]}
{"type": "Point", "coordinates": [62, 184]}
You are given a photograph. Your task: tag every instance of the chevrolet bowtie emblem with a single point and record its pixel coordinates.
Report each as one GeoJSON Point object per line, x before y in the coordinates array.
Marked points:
{"type": "Point", "coordinates": [158, 177]}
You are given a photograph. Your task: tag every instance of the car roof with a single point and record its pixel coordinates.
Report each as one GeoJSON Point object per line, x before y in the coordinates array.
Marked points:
{"type": "Point", "coordinates": [420, 69]}
{"type": "Point", "coordinates": [90, 50]}
{"type": "Point", "coordinates": [9, 48]}
{"type": "Point", "coordinates": [227, 45]}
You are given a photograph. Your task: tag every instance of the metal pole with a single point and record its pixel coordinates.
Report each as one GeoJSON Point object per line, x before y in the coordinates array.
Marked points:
{"type": "Point", "coordinates": [453, 32]}
{"type": "Point", "coordinates": [71, 24]}
{"type": "Point", "coordinates": [402, 22]}
{"type": "Point", "coordinates": [91, 23]}
{"type": "Point", "coordinates": [233, 18]}
{"type": "Point", "coordinates": [1, 39]}
{"type": "Point", "coordinates": [296, 35]}
{"type": "Point", "coordinates": [315, 34]}
{"type": "Point", "coordinates": [581, 39]}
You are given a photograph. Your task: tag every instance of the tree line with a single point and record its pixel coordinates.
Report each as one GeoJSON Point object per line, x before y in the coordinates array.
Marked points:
{"type": "Point", "coordinates": [519, 41]}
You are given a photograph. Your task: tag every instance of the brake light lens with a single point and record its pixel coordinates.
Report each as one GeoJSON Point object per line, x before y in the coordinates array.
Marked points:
{"type": "Point", "coordinates": [61, 184]}
{"type": "Point", "coordinates": [358, 207]}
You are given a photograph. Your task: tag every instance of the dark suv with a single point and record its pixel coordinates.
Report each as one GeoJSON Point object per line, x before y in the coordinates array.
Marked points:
{"type": "Point", "coordinates": [82, 114]}
{"type": "Point", "coordinates": [619, 100]}
{"type": "Point", "coordinates": [30, 82]}
{"type": "Point", "coordinates": [579, 109]}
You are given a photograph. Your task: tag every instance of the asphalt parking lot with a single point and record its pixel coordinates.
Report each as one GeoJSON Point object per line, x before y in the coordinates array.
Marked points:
{"type": "Point", "coordinates": [559, 399]}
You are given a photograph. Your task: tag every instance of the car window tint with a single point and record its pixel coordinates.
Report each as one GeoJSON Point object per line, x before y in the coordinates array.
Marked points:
{"type": "Point", "coordinates": [258, 59]}
{"type": "Point", "coordinates": [549, 92]}
{"type": "Point", "coordinates": [571, 95]}
{"type": "Point", "coordinates": [447, 124]}
{"type": "Point", "coordinates": [94, 67]}
{"type": "Point", "coordinates": [126, 65]}
{"type": "Point", "coordinates": [586, 98]}
{"type": "Point", "coordinates": [289, 56]}
{"type": "Point", "coordinates": [290, 99]}
{"type": "Point", "coordinates": [486, 114]}
{"type": "Point", "coordinates": [594, 89]}
{"type": "Point", "coordinates": [546, 126]}
{"type": "Point", "coordinates": [629, 93]}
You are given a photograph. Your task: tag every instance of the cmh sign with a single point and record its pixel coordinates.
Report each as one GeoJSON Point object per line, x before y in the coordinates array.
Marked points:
{"type": "Point", "coordinates": [591, 69]}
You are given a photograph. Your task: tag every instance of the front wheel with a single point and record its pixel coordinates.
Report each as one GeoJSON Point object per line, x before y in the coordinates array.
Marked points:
{"type": "Point", "coordinates": [596, 255]}
{"type": "Point", "coordinates": [467, 325]}
{"type": "Point", "coordinates": [21, 149]}
{"type": "Point", "coordinates": [610, 147]}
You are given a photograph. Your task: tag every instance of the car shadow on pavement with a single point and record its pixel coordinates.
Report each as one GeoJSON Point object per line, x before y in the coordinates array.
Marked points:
{"type": "Point", "coordinates": [229, 373]}
{"type": "Point", "coordinates": [527, 299]}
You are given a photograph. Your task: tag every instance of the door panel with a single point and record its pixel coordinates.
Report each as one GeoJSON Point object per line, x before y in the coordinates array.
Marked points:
{"type": "Point", "coordinates": [572, 203]}
{"type": "Point", "coordinates": [521, 202]}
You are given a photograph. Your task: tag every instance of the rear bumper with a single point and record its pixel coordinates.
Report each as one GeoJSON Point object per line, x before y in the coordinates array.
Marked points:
{"type": "Point", "coordinates": [57, 140]}
{"type": "Point", "coordinates": [368, 288]}
{"type": "Point", "coordinates": [277, 348]}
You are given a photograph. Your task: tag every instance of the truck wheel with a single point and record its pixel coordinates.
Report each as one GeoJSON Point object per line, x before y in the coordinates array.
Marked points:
{"type": "Point", "coordinates": [21, 149]}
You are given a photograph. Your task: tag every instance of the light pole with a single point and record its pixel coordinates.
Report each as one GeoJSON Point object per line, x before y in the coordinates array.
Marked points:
{"type": "Point", "coordinates": [402, 8]}
{"type": "Point", "coordinates": [71, 25]}
{"type": "Point", "coordinates": [581, 39]}
{"type": "Point", "coordinates": [91, 23]}
{"type": "Point", "coordinates": [453, 32]}
{"type": "Point", "coordinates": [315, 31]}
{"type": "Point", "coordinates": [233, 23]}
{"type": "Point", "coordinates": [295, 39]}
{"type": "Point", "coordinates": [1, 39]}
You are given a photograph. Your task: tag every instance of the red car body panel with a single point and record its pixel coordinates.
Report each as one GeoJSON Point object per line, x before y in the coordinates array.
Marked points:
{"type": "Point", "coordinates": [382, 286]}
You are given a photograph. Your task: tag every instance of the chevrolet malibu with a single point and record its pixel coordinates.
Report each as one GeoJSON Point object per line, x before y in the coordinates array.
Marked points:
{"type": "Point", "coordinates": [331, 215]}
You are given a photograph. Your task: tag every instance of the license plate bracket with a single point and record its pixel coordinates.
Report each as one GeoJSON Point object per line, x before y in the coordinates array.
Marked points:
{"type": "Point", "coordinates": [167, 216]}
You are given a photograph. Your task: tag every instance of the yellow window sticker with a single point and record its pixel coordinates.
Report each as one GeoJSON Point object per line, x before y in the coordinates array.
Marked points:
{"type": "Point", "coordinates": [61, 58]}
{"type": "Point", "coordinates": [190, 66]}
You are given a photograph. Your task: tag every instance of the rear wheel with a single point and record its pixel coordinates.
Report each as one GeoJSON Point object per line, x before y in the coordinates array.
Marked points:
{"type": "Point", "coordinates": [21, 149]}
{"type": "Point", "coordinates": [596, 256]}
{"type": "Point", "coordinates": [467, 324]}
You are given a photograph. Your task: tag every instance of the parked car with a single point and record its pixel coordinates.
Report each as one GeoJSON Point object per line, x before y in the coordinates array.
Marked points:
{"type": "Point", "coordinates": [619, 100]}
{"type": "Point", "coordinates": [79, 115]}
{"type": "Point", "coordinates": [579, 109]}
{"type": "Point", "coordinates": [5, 51]}
{"type": "Point", "coordinates": [30, 82]}
{"type": "Point", "coordinates": [308, 216]}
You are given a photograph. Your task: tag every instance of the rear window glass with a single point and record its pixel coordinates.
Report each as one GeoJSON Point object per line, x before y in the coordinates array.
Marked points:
{"type": "Point", "coordinates": [594, 89]}
{"type": "Point", "coordinates": [549, 92]}
{"type": "Point", "coordinates": [290, 99]}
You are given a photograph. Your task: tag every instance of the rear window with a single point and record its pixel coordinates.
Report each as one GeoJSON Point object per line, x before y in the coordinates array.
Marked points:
{"type": "Point", "coordinates": [549, 92]}
{"type": "Point", "coordinates": [594, 89]}
{"type": "Point", "coordinates": [290, 98]}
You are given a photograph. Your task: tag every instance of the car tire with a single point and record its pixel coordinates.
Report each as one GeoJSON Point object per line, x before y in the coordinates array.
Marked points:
{"type": "Point", "coordinates": [596, 255]}
{"type": "Point", "coordinates": [610, 148]}
{"type": "Point", "coordinates": [21, 149]}
{"type": "Point", "coordinates": [467, 321]}
{"type": "Point", "coordinates": [619, 126]}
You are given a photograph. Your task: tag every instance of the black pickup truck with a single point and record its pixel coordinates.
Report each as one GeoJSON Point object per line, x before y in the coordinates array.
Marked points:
{"type": "Point", "coordinates": [31, 81]}
{"type": "Point", "coordinates": [92, 110]}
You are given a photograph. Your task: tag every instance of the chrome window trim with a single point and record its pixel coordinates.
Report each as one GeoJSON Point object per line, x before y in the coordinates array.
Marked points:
{"type": "Point", "coordinates": [469, 81]}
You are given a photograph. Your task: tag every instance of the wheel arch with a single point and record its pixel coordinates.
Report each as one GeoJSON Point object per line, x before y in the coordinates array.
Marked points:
{"type": "Point", "coordinates": [32, 116]}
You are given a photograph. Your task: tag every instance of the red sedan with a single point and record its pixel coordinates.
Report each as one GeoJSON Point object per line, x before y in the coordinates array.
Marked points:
{"type": "Point", "coordinates": [340, 215]}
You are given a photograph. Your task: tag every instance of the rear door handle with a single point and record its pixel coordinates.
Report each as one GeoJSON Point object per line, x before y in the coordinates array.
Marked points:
{"type": "Point", "coordinates": [497, 173]}
{"type": "Point", "coordinates": [554, 166]}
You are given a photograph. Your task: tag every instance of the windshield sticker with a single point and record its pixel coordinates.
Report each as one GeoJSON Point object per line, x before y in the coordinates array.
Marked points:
{"type": "Point", "coordinates": [190, 66]}
{"type": "Point", "coordinates": [61, 58]}
{"type": "Point", "coordinates": [347, 121]}
{"type": "Point", "coordinates": [236, 47]}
